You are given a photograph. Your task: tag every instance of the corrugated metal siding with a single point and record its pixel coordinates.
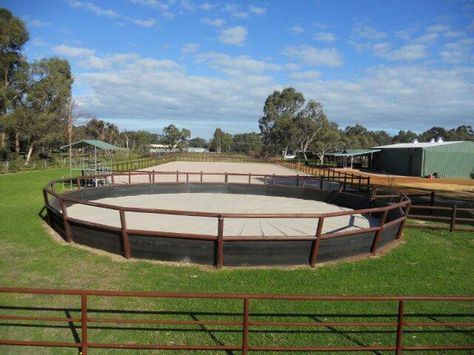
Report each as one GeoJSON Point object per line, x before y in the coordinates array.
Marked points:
{"type": "Point", "coordinates": [453, 160]}
{"type": "Point", "coordinates": [403, 161]}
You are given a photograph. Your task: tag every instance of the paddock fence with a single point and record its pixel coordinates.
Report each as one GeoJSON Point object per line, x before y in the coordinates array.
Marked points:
{"type": "Point", "coordinates": [442, 215]}
{"type": "Point", "coordinates": [248, 323]}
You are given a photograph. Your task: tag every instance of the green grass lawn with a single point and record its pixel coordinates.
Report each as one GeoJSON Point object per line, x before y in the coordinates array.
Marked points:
{"type": "Point", "coordinates": [427, 263]}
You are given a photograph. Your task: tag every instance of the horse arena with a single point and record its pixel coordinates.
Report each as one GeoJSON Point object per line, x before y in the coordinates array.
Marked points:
{"type": "Point", "coordinates": [233, 214]}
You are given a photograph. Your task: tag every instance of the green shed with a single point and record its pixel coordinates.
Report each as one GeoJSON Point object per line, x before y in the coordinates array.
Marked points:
{"type": "Point", "coordinates": [447, 159]}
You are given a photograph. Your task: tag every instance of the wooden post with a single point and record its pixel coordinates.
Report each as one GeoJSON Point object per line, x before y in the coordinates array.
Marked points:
{"type": "Point", "coordinates": [321, 182]}
{"type": "Point", "coordinates": [432, 198]}
{"type": "Point", "coordinates": [201, 176]}
{"type": "Point", "coordinates": [177, 176]}
{"type": "Point", "coordinates": [67, 226]}
{"type": "Point", "coordinates": [125, 241]}
{"type": "Point", "coordinates": [220, 242]}
{"type": "Point", "coordinates": [402, 223]}
{"type": "Point", "coordinates": [297, 180]}
{"type": "Point", "coordinates": [129, 177]}
{"type": "Point", "coordinates": [84, 344]}
{"type": "Point", "coordinates": [453, 218]}
{"type": "Point", "coordinates": [379, 232]}
{"type": "Point", "coordinates": [316, 243]}
{"type": "Point", "coordinates": [345, 182]}
{"type": "Point", "coordinates": [112, 179]}
{"type": "Point", "coordinates": [401, 309]}
{"type": "Point", "coordinates": [273, 179]}
{"type": "Point", "coordinates": [187, 178]}
{"type": "Point", "coordinates": [149, 178]}
{"type": "Point", "coordinates": [250, 178]}
{"type": "Point", "coordinates": [153, 176]}
{"type": "Point", "coordinates": [226, 178]}
{"type": "Point", "coordinates": [245, 328]}
{"type": "Point", "coordinates": [78, 183]}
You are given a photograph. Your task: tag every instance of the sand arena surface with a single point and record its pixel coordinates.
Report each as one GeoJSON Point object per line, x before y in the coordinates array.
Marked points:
{"type": "Point", "coordinates": [223, 203]}
{"type": "Point", "coordinates": [220, 203]}
{"type": "Point", "coordinates": [211, 167]}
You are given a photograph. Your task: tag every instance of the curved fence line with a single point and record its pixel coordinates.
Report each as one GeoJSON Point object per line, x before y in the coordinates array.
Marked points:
{"type": "Point", "coordinates": [219, 237]}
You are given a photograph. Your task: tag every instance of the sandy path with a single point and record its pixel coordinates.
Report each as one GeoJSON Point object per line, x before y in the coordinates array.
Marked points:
{"type": "Point", "coordinates": [224, 203]}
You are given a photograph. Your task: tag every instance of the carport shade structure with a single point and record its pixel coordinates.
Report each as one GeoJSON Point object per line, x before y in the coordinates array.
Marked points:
{"type": "Point", "coordinates": [97, 144]}
{"type": "Point", "coordinates": [351, 153]}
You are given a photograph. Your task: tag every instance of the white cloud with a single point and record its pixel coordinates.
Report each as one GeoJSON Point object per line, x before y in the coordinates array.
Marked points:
{"type": "Point", "coordinates": [218, 22]}
{"type": "Point", "coordinates": [454, 34]}
{"type": "Point", "coordinates": [235, 10]}
{"type": "Point", "coordinates": [111, 13]}
{"type": "Point", "coordinates": [237, 66]}
{"type": "Point", "coordinates": [427, 38]}
{"type": "Point", "coordinates": [415, 96]}
{"type": "Point", "coordinates": [87, 58]}
{"type": "Point", "coordinates": [94, 8]}
{"type": "Point", "coordinates": [437, 28]}
{"type": "Point", "coordinates": [407, 52]}
{"type": "Point", "coordinates": [325, 36]}
{"type": "Point", "coordinates": [412, 96]}
{"type": "Point", "coordinates": [152, 3]}
{"type": "Point", "coordinates": [363, 31]}
{"type": "Point", "coordinates": [296, 29]}
{"type": "Point", "coordinates": [305, 76]}
{"type": "Point", "coordinates": [459, 51]}
{"type": "Point", "coordinates": [257, 10]}
{"type": "Point", "coordinates": [314, 56]}
{"type": "Point", "coordinates": [150, 22]}
{"type": "Point", "coordinates": [190, 48]}
{"type": "Point", "coordinates": [235, 36]}
{"type": "Point", "coordinates": [39, 24]}
{"type": "Point", "coordinates": [72, 51]}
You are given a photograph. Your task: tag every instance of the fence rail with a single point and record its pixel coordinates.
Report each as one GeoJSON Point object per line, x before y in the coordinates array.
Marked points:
{"type": "Point", "coordinates": [328, 173]}
{"type": "Point", "coordinates": [248, 322]}
{"type": "Point", "coordinates": [446, 217]}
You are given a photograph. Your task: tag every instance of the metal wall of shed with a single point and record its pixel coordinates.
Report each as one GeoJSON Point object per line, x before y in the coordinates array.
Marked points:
{"type": "Point", "coordinates": [403, 161]}
{"type": "Point", "coordinates": [451, 160]}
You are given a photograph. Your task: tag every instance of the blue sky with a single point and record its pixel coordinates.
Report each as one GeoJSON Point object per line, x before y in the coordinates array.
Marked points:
{"type": "Point", "coordinates": [144, 64]}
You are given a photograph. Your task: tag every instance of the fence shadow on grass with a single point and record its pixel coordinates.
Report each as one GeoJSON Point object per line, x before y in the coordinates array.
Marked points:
{"type": "Point", "coordinates": [345, 333]}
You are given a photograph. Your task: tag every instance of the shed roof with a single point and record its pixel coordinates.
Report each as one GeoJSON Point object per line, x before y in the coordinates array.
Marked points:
{"type": "Point", "coordinates": [94, 143]}
{"type": "Point", "coordinates": [353, 152]}
{"type": "Point", "coordinates": [416, 145]}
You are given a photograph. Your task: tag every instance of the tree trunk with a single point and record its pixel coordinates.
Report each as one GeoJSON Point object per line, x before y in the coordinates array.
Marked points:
{"type": "Point", "coordinates": [30, 152]}
{"type": "Point", "coordinates": [321, 158]}
{"type": "Point", "coordinates": [3, 138]}
{"type": "Point", "coordinates": [17, 142]}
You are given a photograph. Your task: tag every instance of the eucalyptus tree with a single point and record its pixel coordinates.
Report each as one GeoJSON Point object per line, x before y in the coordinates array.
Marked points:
{"type": "Point", "coordinates": [173, 136]}
{"type": "Point", "coordinates": [13, 35]}
{"type": "Point", "coordinates": [47, 99]}
{"type": "Point", "coordinates": [289, 124]}
{"type": "Point", "coordinates": [279, 110]}
{"type": "Point", "coordinates": [221, 141]}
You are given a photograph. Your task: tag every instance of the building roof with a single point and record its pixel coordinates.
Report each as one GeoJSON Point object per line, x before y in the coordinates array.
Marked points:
{"type": "Point", "coordinates": [353, 152]}
{"type": "Point", "coordinates": [416, 145]}
{"type": "Point", "coordinates": [92, 142]}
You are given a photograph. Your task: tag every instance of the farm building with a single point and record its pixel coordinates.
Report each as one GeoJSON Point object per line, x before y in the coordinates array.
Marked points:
{"type": "Point", "coordinates": [447, 159]}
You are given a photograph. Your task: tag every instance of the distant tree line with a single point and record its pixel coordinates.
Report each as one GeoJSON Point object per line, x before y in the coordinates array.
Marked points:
{"type": "Point", "coordinates": [38, 115]}
{"type": "Point", "coordinates": [290, 125]}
